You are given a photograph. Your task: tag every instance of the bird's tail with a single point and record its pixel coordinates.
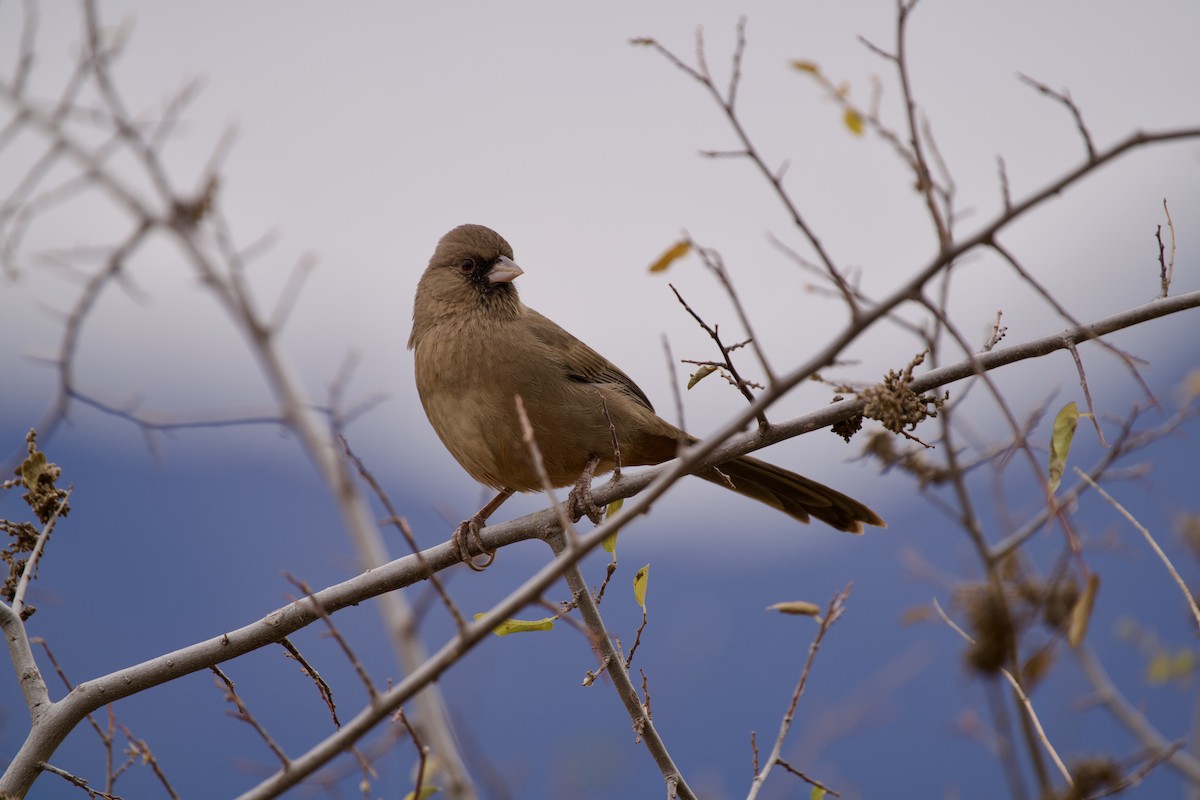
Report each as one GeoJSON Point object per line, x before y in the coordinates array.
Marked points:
{"type": "Point", "coordinates": [794, 495]}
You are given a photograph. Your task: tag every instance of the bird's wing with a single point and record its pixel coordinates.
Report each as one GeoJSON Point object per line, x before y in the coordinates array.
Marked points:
{"type": "Point", "coordinates": [580, 362]}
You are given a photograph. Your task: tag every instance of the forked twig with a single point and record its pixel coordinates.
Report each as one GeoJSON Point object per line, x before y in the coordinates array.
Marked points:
{"type": "Point", "coordinates": [738, 381]}
{"type": "Point", "coordinates": [243, 713]}
{"type": "Point", "coordinates": [1065, 99]}
{"type": "Point", "coordinates": [833, 612]}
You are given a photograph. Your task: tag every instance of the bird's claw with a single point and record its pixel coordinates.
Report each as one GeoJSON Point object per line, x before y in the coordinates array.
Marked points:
{"type": "Point", "coordinates": [579, 501]}
{"type": "Point", "coordinates": [462, 539]}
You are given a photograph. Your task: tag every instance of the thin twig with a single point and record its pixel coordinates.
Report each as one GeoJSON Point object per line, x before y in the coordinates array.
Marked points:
{"type": "Point", "coordinates": [1065, 98]}
{"type": "Point", "coordinates": [833, 612]}
{"type": "Point", "coordinates": [637, 640]}
{"type": "Point", "coordinates": [774, 177]}
{"type": "Point", "coordinates": [602, 642]}
{"type": "Point", "coordinates": [924, 177]}
{"type": "Point", "coordinates": [807, 779]}
{"type": "Point", "coordinates": [612, 432]}
{"type": "Point", "coordinates": [322, 687]}
{"type": "Point", "coordinates": [739, 382]}
{"type": "Point", "coordinates": [146, 756]}
{"type": "Point", "coordinates": [1158, 551]}
{"type": "Point", "coordinates": [1000, 551]}
{"type": "Point", "coordinates": [402, 525]}
{"type": "Point", "coordinates": [713, 261]}
{"type": "Point", "coordinates": [1024, 698]}
{"type": "Point", "coordinates": [1087, 394]}
{"type": "Point", "coordinates": [290, 294]}
{"type": "Point", "coordinates": [359, 670]}
{"type": "Point", "coordinates": [676, 395]}
{"type": "Point", "coordinates": [997, 334]}
{"type": "Point", "coordinates": [76, 781]}
{"type": "Point", "coordinates": [18, 602]}
{"type": "Point", "coordinates": [244, 715]}
{"type": "Point", "coordinates": [1005, 194]}
{"type": "Point", "coordinates": [1166, 265]}
{"type": "Point", "coordinates": [422, 753]}
{"type": "Point", "coordinates": [539, 466]}
{"type": "Point", "coordinates": [1130, 362]}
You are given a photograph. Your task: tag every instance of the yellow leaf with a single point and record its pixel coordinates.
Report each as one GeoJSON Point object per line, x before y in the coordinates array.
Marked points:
{"type": "Point", "coordinates": [806, 66]}
{"type": "Point", "coordinates": [1183, 665]}
{"type": "Point", "coordinates": [673, 254]}
{"type": "Point", "coordinates": [854, 121]}
{"type": "Point", "coordinates": [1158, 671]}
{"type": "Point", "coordinates": [818, 793]}
{"type": "Point", "coordinates": [521, 625]}
{"type": "Point", "coordinates": [639, 585]}
{"type": "Point", "coordinates": [800, 607]}
{"type": "Point", "coordinates": [1060, 442]}
{"type": "Point", "coordinates": [426, 791]}
{"type": "Point", "coordinates": [1081, 613]}
{"type": "Point", "coordinates": [700, 374]}
{"type": "Point", "coordinates": [1191, 386]}
{"type": "Point", "coordinates": [610, 542]}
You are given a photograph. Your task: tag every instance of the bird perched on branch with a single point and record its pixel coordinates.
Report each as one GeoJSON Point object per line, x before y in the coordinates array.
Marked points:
{"type": "Point", "coordinates": [477, 348]}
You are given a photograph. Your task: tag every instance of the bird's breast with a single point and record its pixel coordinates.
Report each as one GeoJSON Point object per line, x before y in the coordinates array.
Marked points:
{"type": "Point", "coordinates": [469, 382]}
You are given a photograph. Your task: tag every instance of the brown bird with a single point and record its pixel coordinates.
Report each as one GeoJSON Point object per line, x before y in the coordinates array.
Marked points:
{"type": "Point", "coordinates": [477, 347]}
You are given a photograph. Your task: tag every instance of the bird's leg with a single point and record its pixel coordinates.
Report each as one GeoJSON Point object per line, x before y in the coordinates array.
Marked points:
{"type": "Point", "coordinates": [460, 540]}
{"type": "Point", "coordinates": [579, 502]}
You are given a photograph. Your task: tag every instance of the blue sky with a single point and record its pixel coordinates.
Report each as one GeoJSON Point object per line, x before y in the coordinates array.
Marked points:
{"type": "Point", "coordinates": [364, 134]}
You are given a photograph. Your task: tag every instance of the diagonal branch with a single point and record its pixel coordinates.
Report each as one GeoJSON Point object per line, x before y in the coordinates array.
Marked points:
{"type": "Point", "coordinates": [833, 613]}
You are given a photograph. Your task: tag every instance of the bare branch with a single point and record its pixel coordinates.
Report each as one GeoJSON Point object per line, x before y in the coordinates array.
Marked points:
{"type": "Point", "coordinates": [31, 563]}
{"type": "Point", "coordinates": [833, 612]}
{"type": "Point", "coordinates": [401, 525]}
{"type": "Point", "coordinates": [774, 178]}
{"type": "Point", "coordinates": [244, 715]}
{"type": "Point", "coordinates": [1166, 265]}
{"type": "Point", "coordinates": [323, 687]}
{"type": "Point", "coordinates": [1158, 551]}
{"type": "Point", "coordinates": [1065, 99]}
{"type": "Point", "coordinates": [142, 752]}
{"type": "Point", "coordinates": [739, 382]}
{"type": "Point", "coordinates": [76, 781]}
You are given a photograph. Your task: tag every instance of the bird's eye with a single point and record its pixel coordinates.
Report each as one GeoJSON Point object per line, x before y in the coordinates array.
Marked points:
{"type": "Point", "coordinates": [466, 266]}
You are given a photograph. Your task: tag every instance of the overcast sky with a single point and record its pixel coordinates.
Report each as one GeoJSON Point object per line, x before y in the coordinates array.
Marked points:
{"type": "Point", "coordinates": [365, 131]}
{"type": "Point", "coordinates": [364, 134]}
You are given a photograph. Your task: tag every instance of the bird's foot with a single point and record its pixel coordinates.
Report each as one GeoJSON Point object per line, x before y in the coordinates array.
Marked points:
{"type": "Point", "coordinates": [466, 535]}
{"type": "Point", "coordinates": [579, 501]}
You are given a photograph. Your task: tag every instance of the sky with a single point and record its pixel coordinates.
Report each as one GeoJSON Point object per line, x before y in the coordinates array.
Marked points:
{"type": "Point", "coordinates": [364, 132]}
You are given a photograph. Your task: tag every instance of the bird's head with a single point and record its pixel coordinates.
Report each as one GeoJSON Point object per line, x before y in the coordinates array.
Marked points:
{"type": "Point", "coordinates": [474, 256]}
{"type": "Point", "coordinates": [472, 269]}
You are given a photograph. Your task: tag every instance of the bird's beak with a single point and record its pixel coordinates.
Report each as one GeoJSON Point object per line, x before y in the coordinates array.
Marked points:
{"type": "Point", "coordinates": [504, 270]}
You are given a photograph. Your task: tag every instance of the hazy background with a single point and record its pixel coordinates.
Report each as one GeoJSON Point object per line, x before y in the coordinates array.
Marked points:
{"type": "Point", "coordinates": [364, 132]}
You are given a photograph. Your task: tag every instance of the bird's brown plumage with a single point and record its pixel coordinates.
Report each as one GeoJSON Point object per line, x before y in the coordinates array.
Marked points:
{"type": "Point", "coordinates": [477, 347]}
